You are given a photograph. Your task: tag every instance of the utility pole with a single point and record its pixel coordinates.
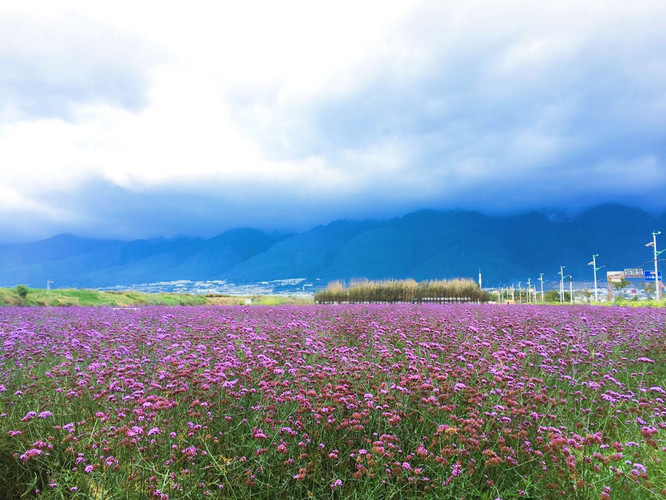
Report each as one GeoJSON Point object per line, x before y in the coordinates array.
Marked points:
{"type": "Point", "coordinates": [520, 293]}
{"type": "Point", "coordinates": [561, 273]}
{"type": "Point", "coordinates": [541, 280]}
{"type": "Point", "coordinates": [657, 282]}
{"type": "Point", "coordinates": [594, 267]}
{"type": "Point", "coordinates": [529, 290]}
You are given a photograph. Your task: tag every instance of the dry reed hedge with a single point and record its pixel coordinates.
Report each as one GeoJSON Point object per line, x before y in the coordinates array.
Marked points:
{"type": "Point", "coordinates": [459, 290]}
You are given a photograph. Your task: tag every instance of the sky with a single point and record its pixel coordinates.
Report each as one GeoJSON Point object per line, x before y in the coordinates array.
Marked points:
{"type": "Point", "coordinates": [131, 119]}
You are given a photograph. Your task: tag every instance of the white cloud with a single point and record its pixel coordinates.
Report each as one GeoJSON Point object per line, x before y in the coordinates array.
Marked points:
{"type": "Point", "coordinates": [417, 101]}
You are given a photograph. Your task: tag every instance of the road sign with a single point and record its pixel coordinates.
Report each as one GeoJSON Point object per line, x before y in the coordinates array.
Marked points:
{"type": "Point", "coordinates": [649, 276]}
{"type": "Point", "coordinates": [633, 272]}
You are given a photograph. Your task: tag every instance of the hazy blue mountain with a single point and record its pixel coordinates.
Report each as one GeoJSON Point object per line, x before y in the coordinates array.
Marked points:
{"type": "Point", "coordinates": [71, 261]}
{"type": "Point", "coordinates": [434, 244]}
{"type": "Point", "coordinates": [58, 247]}
{"type": "Point", "coordinates": [422, 245]}
{"type": "Point", "coordinates": [54, 258]}
{"type": "Point", "coordinates": [91, 263]}
{"type": "Point", "coordinates": [199, 259]}
{"type": "Point", "coordinates": [301, 256]}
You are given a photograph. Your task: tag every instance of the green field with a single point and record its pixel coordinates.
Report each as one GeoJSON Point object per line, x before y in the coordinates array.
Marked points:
{"type": "Point", "coordinates": [84, 297]}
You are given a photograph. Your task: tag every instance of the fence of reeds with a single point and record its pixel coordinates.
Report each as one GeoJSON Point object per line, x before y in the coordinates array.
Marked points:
{"type": "Point", "coordinates": [390, 291]}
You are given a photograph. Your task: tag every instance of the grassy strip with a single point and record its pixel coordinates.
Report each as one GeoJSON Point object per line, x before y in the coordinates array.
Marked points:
{"type": "Point", "coordinates": [633, 303]}
{"type": "Point", "coordinates": [84, 297]}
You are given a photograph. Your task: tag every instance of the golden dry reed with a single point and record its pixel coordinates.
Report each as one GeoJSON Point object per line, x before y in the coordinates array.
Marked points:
{"type": "Point", "coordinates": [454, 290]}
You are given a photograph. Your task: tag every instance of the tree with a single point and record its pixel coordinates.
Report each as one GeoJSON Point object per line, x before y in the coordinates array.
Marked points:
{"type": "Point", "coordinates": [587, 294]}
{"type": "Point", "coordinates": [22, 291]}
{"type": "Point", "coordinates": [649, 289]}
{"type": "Point", "coordinates": [621, 285]}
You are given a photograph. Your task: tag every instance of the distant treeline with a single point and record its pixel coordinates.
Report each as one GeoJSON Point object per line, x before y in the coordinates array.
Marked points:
{"type": "Point", "coordinates": [455, 290]}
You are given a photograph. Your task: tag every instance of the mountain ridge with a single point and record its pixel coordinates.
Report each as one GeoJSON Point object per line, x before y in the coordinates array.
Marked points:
{"type": "Point", "coordinates": [426, 244]}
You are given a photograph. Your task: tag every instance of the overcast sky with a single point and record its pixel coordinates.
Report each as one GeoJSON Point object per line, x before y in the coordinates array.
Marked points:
{"type": "Point", "coordinates": [139, 119]}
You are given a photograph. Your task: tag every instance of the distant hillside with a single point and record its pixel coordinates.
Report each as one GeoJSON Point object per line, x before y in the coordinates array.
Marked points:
{"type": "Point", "coordinates": [422, 245]}
{"type": "Point", "coordinates": [448, 244]}
{"type": "Point", "coordinates": [70, 261]}
{"type": "Point", "coordinates": [304, 255]}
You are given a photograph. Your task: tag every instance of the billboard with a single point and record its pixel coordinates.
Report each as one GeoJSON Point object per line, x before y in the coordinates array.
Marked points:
{"type": "Point", "coordinates": [615, 276]}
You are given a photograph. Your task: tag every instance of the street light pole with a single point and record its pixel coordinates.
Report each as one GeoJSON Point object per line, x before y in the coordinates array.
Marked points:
{"type": "Point", "coordinates": [561, 273]}
{"type": "Point", "coordinates": [594, 266]}
{"type": "Point", "coordinates": [657, 283]}
{"type": "Point", "coordinates": [541, 280]}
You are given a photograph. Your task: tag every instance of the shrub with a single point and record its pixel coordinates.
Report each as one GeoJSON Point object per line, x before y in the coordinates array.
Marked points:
{"type": "Point", "coordinates": [22, 291]}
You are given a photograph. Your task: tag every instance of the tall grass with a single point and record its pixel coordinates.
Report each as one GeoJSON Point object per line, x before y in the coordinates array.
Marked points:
{"type": "Point", "coordinates": [455, 290]}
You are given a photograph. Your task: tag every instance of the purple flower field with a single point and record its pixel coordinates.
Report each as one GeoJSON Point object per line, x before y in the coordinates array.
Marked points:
{"type": "Point", "coordinates": [365, 401]}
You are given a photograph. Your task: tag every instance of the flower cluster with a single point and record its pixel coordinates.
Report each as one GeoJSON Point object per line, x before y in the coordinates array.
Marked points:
{"type": "Point", "coordinates": [335, 401]}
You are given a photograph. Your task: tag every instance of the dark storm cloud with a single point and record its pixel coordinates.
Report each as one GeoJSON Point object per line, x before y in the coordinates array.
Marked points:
{"type": "Point", "coordinates": [572, 116]}
{"type": "Point", "coordinates": [109, 211]}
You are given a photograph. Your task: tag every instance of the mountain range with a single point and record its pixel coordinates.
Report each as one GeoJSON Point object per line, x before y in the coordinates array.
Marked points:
{"type": "Point", "coordinates": [427, 244]}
